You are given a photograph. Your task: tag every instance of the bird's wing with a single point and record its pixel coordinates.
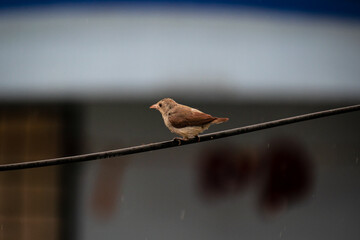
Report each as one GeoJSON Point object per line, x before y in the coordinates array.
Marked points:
{"type": "Point", "coordinates": [186, 117]}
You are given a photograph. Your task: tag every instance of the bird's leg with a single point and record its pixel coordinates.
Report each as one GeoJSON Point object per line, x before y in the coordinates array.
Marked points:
{"type": "Point", "coordinates": [197, 138]}
{"type": "Point", "coordinates": [178, 140]}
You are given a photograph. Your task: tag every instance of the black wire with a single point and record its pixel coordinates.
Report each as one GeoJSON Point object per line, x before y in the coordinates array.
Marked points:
{"type": "Point", "coordinates": [175, 143]}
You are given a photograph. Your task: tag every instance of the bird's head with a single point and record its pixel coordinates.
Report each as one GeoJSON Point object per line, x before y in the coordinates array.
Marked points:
{"type": "Point", "coordinates": [164, 105]}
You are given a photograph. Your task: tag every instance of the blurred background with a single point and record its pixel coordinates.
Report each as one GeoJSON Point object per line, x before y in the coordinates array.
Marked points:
{"type": "Point", "coordinates": [78, 76]}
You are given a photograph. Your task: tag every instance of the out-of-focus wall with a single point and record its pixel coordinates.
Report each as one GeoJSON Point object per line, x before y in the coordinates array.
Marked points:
{"type": "Point", "coordinates": [30, 199]}
{"type": "Point", "coordinates": [38, 203]}
{"type": "Point", "coordinates": [297, 181]}
{"type": "Point", "coordinates": [246, 60]}
{"type": "Point", "coordinates": [124, 52]}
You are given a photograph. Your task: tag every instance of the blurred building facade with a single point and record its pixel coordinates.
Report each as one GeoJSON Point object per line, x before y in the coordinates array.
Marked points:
{"type": "Point", "coordinates": [31, 200]}
{"type": "Point", "coordinates": [78, 78]}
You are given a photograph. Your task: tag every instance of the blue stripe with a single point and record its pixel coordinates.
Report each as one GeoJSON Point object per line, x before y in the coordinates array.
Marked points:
{"type": "Point", "coordinates": [342, 8]}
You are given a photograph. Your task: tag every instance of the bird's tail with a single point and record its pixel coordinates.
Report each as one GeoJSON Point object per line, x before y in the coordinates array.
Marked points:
{"type": "Point", "coordinates": [220, 120]}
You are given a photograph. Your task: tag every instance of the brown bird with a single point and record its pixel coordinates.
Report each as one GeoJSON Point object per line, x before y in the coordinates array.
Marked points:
{"type": "Point", "coordinates": [183, 120]}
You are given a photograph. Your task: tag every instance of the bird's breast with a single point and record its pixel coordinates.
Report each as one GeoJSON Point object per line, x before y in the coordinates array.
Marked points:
{"type": "Point", "coordinates": [166, 120]}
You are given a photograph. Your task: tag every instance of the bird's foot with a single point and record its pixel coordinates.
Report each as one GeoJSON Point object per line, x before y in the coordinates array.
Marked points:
{"type": "Point", "coordinates": [197, 138]}
{"type": "Point", "coordinates": [179, 140]}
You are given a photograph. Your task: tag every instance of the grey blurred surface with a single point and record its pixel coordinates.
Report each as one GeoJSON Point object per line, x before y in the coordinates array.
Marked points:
{"type": "Point", "coordinates": [159, 194]}
{"type": "Point", "coordinates": [116, 52]}
{"type": "Point", "coordinates": [101, 68]}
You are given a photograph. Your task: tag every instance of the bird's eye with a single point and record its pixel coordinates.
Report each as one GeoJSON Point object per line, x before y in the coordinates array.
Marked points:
{"type": "Point", "coordinates": [160, 105]}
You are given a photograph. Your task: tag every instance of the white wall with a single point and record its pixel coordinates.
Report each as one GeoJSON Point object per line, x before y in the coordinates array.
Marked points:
{"type": "Point", "coordinates": [127, 52]}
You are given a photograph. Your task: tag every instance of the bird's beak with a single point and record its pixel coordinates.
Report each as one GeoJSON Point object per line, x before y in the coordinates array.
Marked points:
{"type": "Point", "coordinates": [154, 106]}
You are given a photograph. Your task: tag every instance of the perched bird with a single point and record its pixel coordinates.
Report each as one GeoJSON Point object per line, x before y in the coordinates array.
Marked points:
{"type": "Point", "coordinates": [183, 120]}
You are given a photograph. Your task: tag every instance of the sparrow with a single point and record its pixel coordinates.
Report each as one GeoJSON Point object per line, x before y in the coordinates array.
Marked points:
{"type": "Point", "coordinates": [185, 121]}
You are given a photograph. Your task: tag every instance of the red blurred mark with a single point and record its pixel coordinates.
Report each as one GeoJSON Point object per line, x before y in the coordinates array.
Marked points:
{"type": "Point", "coordinates": [108, 183]}
{"type": "Point", "coordinates": [283, 172]}
{"type": "Point", "coordinates": [226, 170]}
{"type": "Point", "coordinates": [287, 172]}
